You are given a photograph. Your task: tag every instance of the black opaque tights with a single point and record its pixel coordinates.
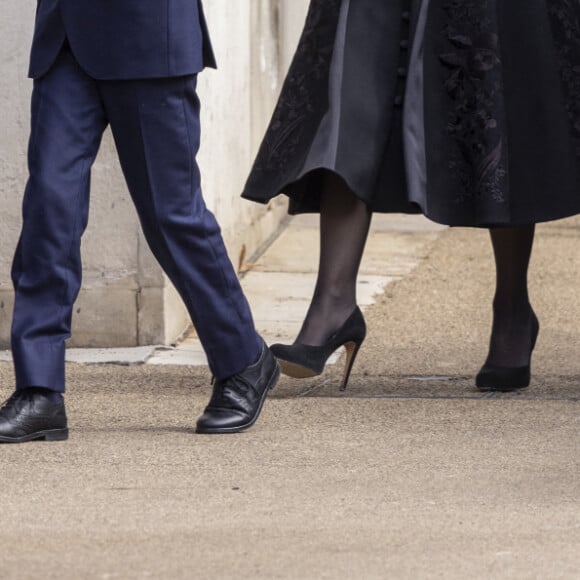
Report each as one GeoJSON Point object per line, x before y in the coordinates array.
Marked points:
{"type": "Point", "coordinates": [511, 335]}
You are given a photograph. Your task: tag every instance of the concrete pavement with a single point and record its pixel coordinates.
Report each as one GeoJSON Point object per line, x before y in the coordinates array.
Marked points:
{"type": "Point", "coordinates": [411, 473]}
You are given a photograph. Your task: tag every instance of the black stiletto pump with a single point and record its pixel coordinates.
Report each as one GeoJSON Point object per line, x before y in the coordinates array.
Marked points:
{"type": "Point", "coordinates": [496, 378]}
{"type": "Point", "coordinates": [302, 360]}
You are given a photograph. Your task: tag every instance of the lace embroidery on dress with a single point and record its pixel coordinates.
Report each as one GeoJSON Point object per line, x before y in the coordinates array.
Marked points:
{"type": "Point", "coordinates": [474, 86]}
{"type": "Point", "coordinates": [298, 100]}
{"type": "Point", "coordinates": [565, 19]}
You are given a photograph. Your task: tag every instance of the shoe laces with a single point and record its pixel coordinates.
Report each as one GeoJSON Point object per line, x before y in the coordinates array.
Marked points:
{"type": "Point", "coordinates": [16, 400]}
{"type": "Point", "coordinates": [230, 388]}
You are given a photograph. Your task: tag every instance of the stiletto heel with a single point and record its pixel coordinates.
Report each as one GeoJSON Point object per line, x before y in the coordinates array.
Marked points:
{"type": "Point", "coordinates": [497, 378]}
{"type": "Point", "coordinates": [302, 360]}
{"type": "Point", "coordinates": [352, 349]}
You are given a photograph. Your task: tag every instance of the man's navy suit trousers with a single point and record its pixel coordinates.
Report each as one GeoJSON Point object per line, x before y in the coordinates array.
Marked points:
{"type": "Point", "coordinates": [155, 124]}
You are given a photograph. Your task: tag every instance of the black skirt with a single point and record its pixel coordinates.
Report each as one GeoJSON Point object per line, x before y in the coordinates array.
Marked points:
{"type": "Point", "coordinates": [466, 110]}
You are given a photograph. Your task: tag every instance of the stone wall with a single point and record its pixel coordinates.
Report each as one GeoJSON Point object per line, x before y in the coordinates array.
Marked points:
{"type": "Point", "coordinates": [126, 300]}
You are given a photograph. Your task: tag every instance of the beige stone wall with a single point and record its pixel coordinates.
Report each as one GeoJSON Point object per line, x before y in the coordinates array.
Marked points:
{"type": "Point", "coordinates": [126, 299]}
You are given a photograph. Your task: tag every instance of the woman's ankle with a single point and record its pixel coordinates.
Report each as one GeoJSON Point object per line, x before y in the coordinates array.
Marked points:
{"type": "Point", "coordinates": [322, 321]}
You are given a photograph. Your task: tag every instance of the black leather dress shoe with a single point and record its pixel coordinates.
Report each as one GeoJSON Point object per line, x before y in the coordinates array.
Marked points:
{"type": "Point", "coordinates": [236, 402]}
{"type": "Point", "coordinates": [28, 415]}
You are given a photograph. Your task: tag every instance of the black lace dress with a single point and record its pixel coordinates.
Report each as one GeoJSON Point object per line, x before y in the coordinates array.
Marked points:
{"type": "Point", "coordinates": [465, 110]}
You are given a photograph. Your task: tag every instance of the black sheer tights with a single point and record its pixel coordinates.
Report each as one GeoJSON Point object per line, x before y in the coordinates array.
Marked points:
{"type": "Point", "coordinates": [511, 334]}
{"type": "Point", "coordinates": [344, 226]}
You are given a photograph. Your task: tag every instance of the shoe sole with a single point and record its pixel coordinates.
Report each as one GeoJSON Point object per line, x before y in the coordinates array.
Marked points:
{"type": "Point", "coordinates": [225, 430]}
{"type": "Point", "coordinates": [51, 435]}
{"type": "Point", "coordinates": [296, 371]}
{"type": "Point", "coordinates": [495, 389]}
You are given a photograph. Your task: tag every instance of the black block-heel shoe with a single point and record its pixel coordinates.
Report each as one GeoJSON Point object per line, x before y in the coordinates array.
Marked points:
{"type": "Point", "coordinates": [496, 378]}
{"type": "Point", "coordinates": [302, 360]}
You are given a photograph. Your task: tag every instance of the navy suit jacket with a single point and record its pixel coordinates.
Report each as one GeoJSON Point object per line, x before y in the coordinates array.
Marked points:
{"type": "Point", "coordinates": [123, 39]}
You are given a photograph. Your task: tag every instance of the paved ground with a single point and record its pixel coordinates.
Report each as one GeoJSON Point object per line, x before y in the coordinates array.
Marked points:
{"type": "Point", "coordinates": [410, 474]}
